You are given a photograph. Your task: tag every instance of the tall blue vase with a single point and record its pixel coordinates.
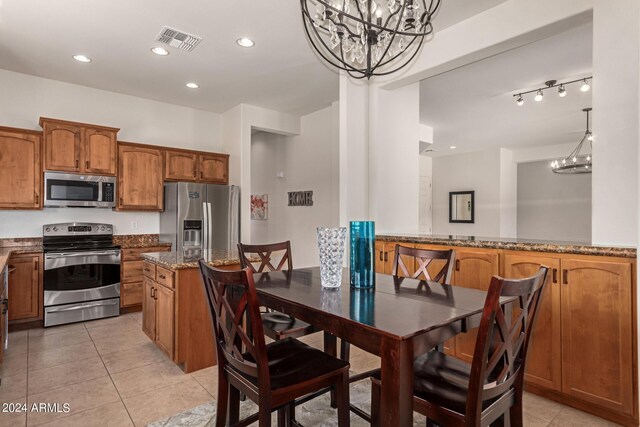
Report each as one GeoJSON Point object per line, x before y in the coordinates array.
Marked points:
{"type": "Point", "coordinates": [362, 254]}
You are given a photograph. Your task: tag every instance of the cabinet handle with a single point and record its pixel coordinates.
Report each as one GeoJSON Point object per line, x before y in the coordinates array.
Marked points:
{"type": "Point", "coordinates": [35, 266]}
{"type": "Point", "coordinates": [555, 275]}
{"type": "Point", "coordinates": [77, 163]}
{"type": "Point", "coordinates": [381, 255]}
{"type": "Point", "coordinates": [195, 174]}
{"type": "Point", "coordinates": [147, 269]}
{"type": "Point", "coordinates": [162, 276]}
{"type": "Point", "coordinates": [457, 265]}
{"type": "Point", "coordinates": [565, 276]}
{"type": "Point", "coordinates": [121, 201]}
{"type": "Point", "coordinates": [86, 164]}
{"type": "Point", "coordinates": [152, 288]}
{"type": "Point", "coordinates": [201, 174]}
{"type": "Point", "coordinates": [386, 256]}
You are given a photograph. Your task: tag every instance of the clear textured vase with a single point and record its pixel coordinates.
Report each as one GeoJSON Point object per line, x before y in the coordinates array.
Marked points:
{"type": "Point", "coordinates": [331, 249]}
{"type": "Point", "coordinates": [362, 254]}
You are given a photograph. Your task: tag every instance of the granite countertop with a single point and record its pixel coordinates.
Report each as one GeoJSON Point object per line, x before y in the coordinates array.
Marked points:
{"type": "Point", "coordinates": [177, 261]}
{"type": "Point", "coordinates": [8, 247]}
{"type": "Point", "coordinates": [532, 245]}
{"type": "Point", "coordinates": [130, 241]}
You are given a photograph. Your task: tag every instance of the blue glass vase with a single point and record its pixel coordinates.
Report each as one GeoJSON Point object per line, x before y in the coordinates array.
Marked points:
{"type": "Point", "coordinates": [362, 254]}
{"type": "Point", "coordinates": [362, 305]}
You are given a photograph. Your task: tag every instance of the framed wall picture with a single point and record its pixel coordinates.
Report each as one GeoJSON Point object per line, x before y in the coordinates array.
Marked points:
{"type": "Point", "coordinates": [259, 206]}
{"type": "Point", "coordinates": [461, 206]}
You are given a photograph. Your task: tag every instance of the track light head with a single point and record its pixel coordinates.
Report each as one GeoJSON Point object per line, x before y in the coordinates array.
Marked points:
{"type": "Point", "coordinates": [519, 100]}
{"type": "Point", "coordinates": [585, 86]}
{"type": "Point", "coordinates": [562, 92]}
{"type": "Point", "coordinates": [539, 96]}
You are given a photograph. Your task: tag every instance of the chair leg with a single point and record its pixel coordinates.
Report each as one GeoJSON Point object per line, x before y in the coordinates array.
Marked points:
{"type": "Point", "coordinates": [331, 348]}
{"type": "Point", "coordinates": [264, 419]}
{"type": "Point", "coordinates": [345, 349]}
{"type": "Point", "coordinates": [222, 403]}
{"type": "Point", "coordinates": [375, 404]}
{"type": "Point", "coordinates": [514, 416]}
{"type": "Point", "coordinates": [234, 405]}
{"type": "Point", "coordinates": [282, 417]}
{"type": "Point", "coordinates": [291, 414]}
{"type": "Point", "coordinates": [342, 400]}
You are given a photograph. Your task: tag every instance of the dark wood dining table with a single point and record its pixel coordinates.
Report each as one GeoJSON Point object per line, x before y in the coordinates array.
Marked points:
{"type": "Point", "coordinates": [397, 320]}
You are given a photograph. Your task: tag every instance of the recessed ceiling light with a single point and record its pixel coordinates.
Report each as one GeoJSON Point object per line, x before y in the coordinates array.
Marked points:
{"type": "Point", "coordinates": [160, 51]}
{"type": "Point", "coordinates": [192, 85]}
{"type": "Point", "coordinates": [81, 58]}
{"type": "Point", "coordinates": [453, 147]}
{"type": "Point", "coordinates": [245, 42]}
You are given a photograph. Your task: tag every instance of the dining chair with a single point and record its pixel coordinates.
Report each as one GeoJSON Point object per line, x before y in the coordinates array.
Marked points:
{"type": "Point", "coordinates": [259, 258]}
{"type": "Point", "coordinates": [450, 392]}
{"type": "Point", "coordinates": [424, 257]}
{"type": "Point", "coordinates": [273, 375]}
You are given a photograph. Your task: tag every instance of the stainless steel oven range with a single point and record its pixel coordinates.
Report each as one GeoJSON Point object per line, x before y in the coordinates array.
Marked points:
{"type": "Point", "coordinates": [81, 273]}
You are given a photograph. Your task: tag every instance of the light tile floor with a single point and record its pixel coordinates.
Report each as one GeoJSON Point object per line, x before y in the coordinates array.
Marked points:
{"type": "Point", "coordinates": [111, 374]}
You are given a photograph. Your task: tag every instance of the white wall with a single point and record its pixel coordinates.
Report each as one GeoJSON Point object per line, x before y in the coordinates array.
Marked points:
{"type": "Point", "coordinates": [479, 172]}
{"type": "Point", "coordinates": [425, 198]}
{"type": "Point", "coordinates": [309, 161]}
{"type": "Point", "coordinates": [553, 206]}
{"type": "Point", "coordinates": [508, 194]}
{"type": "Point", "coordinates": [25, 98]}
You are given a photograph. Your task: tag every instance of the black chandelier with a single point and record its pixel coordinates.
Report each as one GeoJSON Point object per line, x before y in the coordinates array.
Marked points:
{"type": "Point", "coordinates": [364, 38]}
{"type": "Point", "coordinates": [576, 162]}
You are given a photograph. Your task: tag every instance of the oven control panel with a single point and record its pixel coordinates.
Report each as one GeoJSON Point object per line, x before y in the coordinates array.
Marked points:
{"type": "Point", "coordinates": [76, 229]}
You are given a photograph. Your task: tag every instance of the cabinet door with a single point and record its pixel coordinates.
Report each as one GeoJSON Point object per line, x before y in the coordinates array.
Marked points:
{"type": "Point", "coordinates": [62, 147]}
{"type": "Point", "coordinates": [544, 358]}
{"type": "Point", "coordinates": [20, 170]}
{"type": "Point", "coordinates": [131, 294]}
{"type": "Point", "coordinates": [164, 319]}
{"type": "Point", "coordinates": [99, 151]}
{"type": "Point", "coordinates": [24, 287]}
{"type": "Point", "coordinates": [379, 248]}
{"type": "Point", "coordinates": [213, 168]}
{"type": "Point", "coordinates": [473, 269]}
{"type": "Point", "coordinates": [597, 333]}
{"type": "Point", "coordinates": [149, 308]}
{"type": "Point", "coordinates": [180, 166]}
{"type": "Point", "coordinates": [140, 184]}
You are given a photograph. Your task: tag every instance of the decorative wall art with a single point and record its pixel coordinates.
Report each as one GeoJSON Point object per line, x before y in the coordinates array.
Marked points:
{"type": "Point", "coordinates": [259, 206]}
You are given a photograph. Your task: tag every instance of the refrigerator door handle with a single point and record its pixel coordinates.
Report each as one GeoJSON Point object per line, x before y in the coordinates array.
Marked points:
{"type": "Point", "coordinates": [209, 226]}
{"type": "Point", "coordinates": [205, 221]}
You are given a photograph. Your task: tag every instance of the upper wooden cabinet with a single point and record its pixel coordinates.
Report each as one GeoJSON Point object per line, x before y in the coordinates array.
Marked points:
{"type": "Point", "coordinates": [180, 165]}
{"type": "Point", "coordinates": [79, 147]}
{"type": "Point", "coordinates": [20, 169]}
{"type": "Point", "coordinates": [140, 171]}
{"type": "Point", "coordinates": [213, 168]}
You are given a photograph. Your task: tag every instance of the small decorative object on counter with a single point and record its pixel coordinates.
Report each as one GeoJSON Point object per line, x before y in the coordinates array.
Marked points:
{"type": "Point", "coordinates": [362, 253]}
{"type": "Point", "coordinates": [362, 305]}
{"type": "Point", "coordinates": [331, 249]}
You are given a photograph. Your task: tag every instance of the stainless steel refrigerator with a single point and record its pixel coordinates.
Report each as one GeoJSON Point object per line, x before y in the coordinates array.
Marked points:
{"type": "Point", "coordinates": [200, 216]}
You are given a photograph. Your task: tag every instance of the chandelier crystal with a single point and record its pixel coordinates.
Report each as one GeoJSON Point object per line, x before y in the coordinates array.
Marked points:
{"type": "Point", "coordinates": [368, 38]}
{"type": "Point", "coordinates": [576, 162]}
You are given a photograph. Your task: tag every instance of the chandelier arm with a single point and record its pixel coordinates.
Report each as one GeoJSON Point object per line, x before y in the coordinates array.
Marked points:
{"type": "Point", "coordinates": [393, 36]}
{"type": "Point", "coordinates": [403, 65]}
{"type": "Point", "coordinates": [345, 66]}
{"type": "Point", "coordinates": [358, 8]}
{"type": "Point", "coordinates": [340, 65]}
{"type": "Point", "coordinates": [371, 24]}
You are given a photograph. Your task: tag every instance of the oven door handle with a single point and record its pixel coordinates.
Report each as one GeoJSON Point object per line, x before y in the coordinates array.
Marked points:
{"type": "Point", "coordinates": [82, 306]}
{"type": "Point", "coordinates": [78, 254]}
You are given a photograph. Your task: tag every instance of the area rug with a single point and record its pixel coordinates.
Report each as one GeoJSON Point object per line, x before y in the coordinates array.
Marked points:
{"type": "Point", "coordinates": [316, 412]}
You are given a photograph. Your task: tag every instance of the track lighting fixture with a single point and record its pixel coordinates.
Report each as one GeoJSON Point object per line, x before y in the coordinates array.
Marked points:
{"type": "Point", "coordinates": [562, 91]}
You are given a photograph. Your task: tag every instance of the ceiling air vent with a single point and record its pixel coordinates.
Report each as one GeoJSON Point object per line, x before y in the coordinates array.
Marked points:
{"type": "Point", "coordinates": [178, 39]}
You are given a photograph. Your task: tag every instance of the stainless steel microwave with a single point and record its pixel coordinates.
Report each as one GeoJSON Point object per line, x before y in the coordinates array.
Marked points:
{"type": "Point", "coordinates": [85, 191]}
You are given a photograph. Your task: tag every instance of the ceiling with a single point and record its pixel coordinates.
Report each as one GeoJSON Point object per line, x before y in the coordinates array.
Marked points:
{"type": "Point", "coordinates": [473, 109]}
{"type": "Point", "coordinates": [281, 72]}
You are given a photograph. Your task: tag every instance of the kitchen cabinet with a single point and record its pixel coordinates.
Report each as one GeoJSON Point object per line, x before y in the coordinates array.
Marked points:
{"type": "Point", "coordinates": [544, 360]}
{"type": "Point", "coordinates": [79, 147]}
{"type": "Point", "coordinates": [131, 275]}
{"type": "Point", "coordinates": [158, 312]}
{"type": "Point", "coordinates": [473, 269]}
{"type": "Point", "coordinates": [181, 166]}
{"type": "Point", "coordinates": [25, 287]}
{"type": "Point", "coordinates": [20, 169]}
{"type": "Point", "coordinates": [385, 255]}
{"type": "Point", "coordinates": [213, 168]}
{"type": "Point", "coordinates": [598, 333]}
{"type": "Point", "coordinates": [140, 171]}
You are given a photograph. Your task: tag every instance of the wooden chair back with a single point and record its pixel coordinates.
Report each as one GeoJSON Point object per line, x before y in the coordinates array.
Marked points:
{"type": "Point", "coordinates": [501, 344]}
{"type": "Point", "coordinates": [266, 254]}
{"type": "Point", "coordinates": [233, 298]}
{"type": "Point", "coordinates": [424, 257]}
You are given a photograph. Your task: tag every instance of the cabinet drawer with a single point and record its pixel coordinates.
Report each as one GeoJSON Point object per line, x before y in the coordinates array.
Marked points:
{"type": "Point", "coordinates": [135, 254]}
{"type": "Point", "coordinates": [132, 271]}
{"type": "Point", "coordinates": [149, 270]}
{"type": "Point", "coordinates": [130, 294]}
{"type": "Point", "coordinates": [164, 277]}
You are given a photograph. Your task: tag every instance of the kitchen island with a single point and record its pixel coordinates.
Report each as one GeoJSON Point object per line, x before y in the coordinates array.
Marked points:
{"type": "Point", "coordinates": [583, 351]}
{"type": "Point", "coordinates": [175, 311]}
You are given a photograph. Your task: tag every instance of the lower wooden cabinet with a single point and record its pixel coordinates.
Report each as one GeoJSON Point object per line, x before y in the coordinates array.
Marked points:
{"type": "Point", "coordinates": [25, 287]}
{"type": "Point", "coordinates": [158, 315]}
{"type": "Point", "coordinates": [131, 273]}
